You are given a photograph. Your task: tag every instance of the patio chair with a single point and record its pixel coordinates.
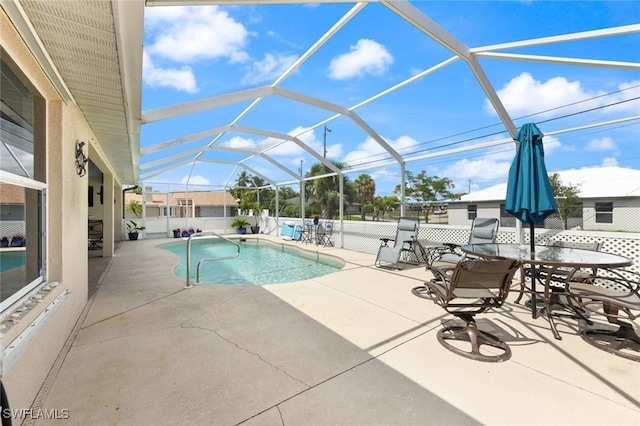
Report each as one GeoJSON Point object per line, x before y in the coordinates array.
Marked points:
{"type": "Point", "coordinates": [442, 259]}
{"type": "Point", "coordinates": [95, 234]}
{"type": "Point", "coordinates": [324, 233]}
{"type": "Point", "coordinates": [474, 286]}
{"type": "Point", "coordinates": [614, 294]}
{"type": "Point", "coordinates": [307, 232]}
{"type": "Point", "coordinates": [402, 249]}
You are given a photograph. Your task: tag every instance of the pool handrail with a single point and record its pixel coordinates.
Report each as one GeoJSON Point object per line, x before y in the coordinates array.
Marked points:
{"type": "Point", "coordinates": [201, 234]}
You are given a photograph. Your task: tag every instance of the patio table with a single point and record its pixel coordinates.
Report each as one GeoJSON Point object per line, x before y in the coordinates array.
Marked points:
{"type": "Point", "coordinates": [553, 258]}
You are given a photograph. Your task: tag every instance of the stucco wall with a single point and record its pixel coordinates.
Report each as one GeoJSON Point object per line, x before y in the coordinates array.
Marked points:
{"type": "Point", "coordinates": [61, 125]}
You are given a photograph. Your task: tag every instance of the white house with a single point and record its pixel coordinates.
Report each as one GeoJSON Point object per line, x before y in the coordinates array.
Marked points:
{"type": "Point", "coordinates": [610, 198]}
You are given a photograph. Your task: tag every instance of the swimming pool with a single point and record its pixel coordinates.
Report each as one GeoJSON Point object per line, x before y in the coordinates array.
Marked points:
{"type": "Point", "coordinates": [12, 259]}
{"type": "Point", "coordinates": [260, 262]}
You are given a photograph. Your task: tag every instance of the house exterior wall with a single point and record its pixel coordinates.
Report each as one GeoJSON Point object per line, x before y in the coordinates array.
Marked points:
{"type": "Point", "coordinates": [60, 125]}
{"type": "Point", "coordinates": [626, 214]}
{"type": "Point", "coordinates": [458, 214]}
{"type": "Point", "coordinates": [212, 211]}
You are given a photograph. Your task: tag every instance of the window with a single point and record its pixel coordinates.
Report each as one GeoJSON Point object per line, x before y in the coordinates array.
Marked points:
{"type": "Point", "coordinates": [506, 220]}
{"type": "Point", "coordinates": [472, 211]}
{"type": "Point", "coordinates": [604, 212]}
{"type": "Point", "coordinates": [22, 191]}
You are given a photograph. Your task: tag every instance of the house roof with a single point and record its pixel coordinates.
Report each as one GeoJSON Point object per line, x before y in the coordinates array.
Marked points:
{"type": "Point", "coordinates": [199, 198]}
{"type": "Point", "coordinates": [594, 182]}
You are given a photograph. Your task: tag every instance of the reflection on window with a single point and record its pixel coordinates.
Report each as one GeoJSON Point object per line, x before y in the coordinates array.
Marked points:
{"type": "Point", "coordinates": [604, 212]}
{"type": "Point", "coordinates": [16, 125]}
{"type": "Point", "coordinates": [21, 255]}
{"type": "Point", "coordinates": [22, 192]}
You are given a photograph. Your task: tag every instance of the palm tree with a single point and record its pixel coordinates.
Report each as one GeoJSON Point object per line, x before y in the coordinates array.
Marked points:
{"type": "Point", "coordinates": [365, 188]}
{"type": "Point", "coordinates": [326, 190]}
{"type": "Point", "coordinates": [135, 206]}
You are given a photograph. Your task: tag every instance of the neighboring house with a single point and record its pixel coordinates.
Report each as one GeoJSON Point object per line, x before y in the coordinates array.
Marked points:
{"type": "Point", "coordinates": [610, 198]}
{"type": "Point", "coordinates": [11, 211]}
{"type": "Point", "coordinates": [184, 204]}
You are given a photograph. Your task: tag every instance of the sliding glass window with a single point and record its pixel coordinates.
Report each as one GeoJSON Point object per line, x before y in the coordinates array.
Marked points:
{"type": "Point", "coordinates": [22, 191]}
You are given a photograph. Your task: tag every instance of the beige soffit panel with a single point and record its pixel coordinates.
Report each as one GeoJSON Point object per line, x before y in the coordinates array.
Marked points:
{"type": "Point", "coordinates": [82, 39]}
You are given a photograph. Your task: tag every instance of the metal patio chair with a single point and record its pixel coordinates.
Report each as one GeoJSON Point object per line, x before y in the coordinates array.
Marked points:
{"type": "Point", "coordinates": [474, 286]}
{"type": "Point", "coordinates": [324, 234]}
{"type": "Point", "coordinates": [614, 294]}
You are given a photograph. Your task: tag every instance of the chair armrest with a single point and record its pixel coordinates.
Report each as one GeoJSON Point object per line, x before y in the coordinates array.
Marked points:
{"type": "Point", "coordinates": [385, 241]}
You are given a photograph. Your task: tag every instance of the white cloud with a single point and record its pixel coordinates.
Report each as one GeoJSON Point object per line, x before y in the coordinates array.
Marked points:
{"type": "Point", "coordinates": [610, 162]}
{"type": "Point", "coordinates": [524, 95]}
{"type": "Point", "coordinates": [365, 57]}
{"type": "Point", "coordinates": [180, 79]}
{"type": "Point", "coordinates": [601, 144]}
{"type": "Point", "coordinates": [195, 180]}
{"type": "Point", "coordinates": [269, 69]}
{"type": "Point", "coordinates": [370, 150]}
{"type": "Point", "coordinates": [189, 34]}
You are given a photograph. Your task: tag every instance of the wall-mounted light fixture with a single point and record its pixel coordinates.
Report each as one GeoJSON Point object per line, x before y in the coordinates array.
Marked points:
{"type": "Point", "coordinates": [81, 159]}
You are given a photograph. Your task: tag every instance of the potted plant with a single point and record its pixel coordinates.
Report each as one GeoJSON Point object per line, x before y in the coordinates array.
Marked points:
{"type": "Point", "coordinates": [256, 215]}
{"type": "Point", "coordinates": [4, 242]}
{"type": "Point", "coordinates": [176, 233]}
{"type": "Point", "coordinates": [18, 241]}
{"type": "Point", "coordinates": [240, 225]}
{"type": "Point", "coordinates": [133, 229]}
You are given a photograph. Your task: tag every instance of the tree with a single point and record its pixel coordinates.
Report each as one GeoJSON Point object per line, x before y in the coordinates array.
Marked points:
{"type": "Point", "coordinates": [326, 191]}
{"type": "Point", "coordinates": [135, 206]}
{"type": "Point", "coordinates": [567, 199]}
{"type": "Point", "coordinates": [385, 205]}
{"type": "Point", "coordinates": [365, 188]}
{"type": "Point", "coordinates": [427, 189]}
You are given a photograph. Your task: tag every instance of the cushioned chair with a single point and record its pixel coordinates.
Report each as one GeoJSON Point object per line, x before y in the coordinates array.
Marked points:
{"type": "Point", "coordinates": [615, 295]}
{"type": "Point", "coordinates": [397, 252]}
{"type": "Point", "coordinates": [442, 259]}
{"type": "Point", "coordinates": [473, 287]}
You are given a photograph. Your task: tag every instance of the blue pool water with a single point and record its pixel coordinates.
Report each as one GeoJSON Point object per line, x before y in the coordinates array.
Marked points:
{"type": "Point", "coordinates": [259, 262]}
{"type": "Point", "coordinates": [11, 259]}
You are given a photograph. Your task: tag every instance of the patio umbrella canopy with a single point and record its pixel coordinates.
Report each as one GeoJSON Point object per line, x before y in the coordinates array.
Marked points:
{"type": "Point", "coordinates": [529, 193]}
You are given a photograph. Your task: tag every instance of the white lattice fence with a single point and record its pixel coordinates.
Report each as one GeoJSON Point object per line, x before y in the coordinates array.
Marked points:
{"type": "Point", "coordinates": [365, 237]}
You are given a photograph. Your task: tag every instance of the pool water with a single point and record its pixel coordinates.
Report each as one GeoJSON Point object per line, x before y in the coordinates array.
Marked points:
{"type": "Point", "coordinates": [11, 260]}
{"type": "Point", "coordinates": [259, 263]}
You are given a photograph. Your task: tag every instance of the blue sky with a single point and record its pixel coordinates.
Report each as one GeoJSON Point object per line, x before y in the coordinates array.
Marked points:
{"type": "Point", "coordinates": [194, 53]}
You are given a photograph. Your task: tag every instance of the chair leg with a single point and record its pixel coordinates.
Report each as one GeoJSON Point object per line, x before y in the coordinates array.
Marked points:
{"type": "Point", "coordinates": [470, 333]}
{"type": "Point", "coordinates": [614, 341]}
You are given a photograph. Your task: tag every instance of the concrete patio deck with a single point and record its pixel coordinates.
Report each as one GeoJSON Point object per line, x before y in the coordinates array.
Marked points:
{"type": "Point", "coordinates": [351, 348]}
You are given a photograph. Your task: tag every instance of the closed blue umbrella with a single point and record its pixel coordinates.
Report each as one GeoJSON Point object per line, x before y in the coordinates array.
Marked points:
{"type": "Point", "coordinates": [529, 193]}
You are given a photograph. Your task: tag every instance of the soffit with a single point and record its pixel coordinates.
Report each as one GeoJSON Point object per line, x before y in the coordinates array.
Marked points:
{"type": "Point", "coordinates": [83, 42]}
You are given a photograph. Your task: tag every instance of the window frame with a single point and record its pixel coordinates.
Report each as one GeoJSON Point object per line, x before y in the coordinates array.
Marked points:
{"type": "Point", "coordinates": [607, 213]}
{"type": "Point", "coordinates": [11, 179]}
{"type": "Point", "coordinates": [472, 211]}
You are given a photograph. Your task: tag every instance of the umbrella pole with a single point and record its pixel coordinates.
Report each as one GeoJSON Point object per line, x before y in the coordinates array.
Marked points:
{"type": "Point", "coordinates": [532, 247]}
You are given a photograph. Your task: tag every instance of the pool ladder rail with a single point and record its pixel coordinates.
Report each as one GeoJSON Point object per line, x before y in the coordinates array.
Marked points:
{"type": "Point", "coordinates": [211, 234]}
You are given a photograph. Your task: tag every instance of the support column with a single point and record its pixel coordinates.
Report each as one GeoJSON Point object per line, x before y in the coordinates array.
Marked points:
{"type": "Point", "coordinates": [109, 216]}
